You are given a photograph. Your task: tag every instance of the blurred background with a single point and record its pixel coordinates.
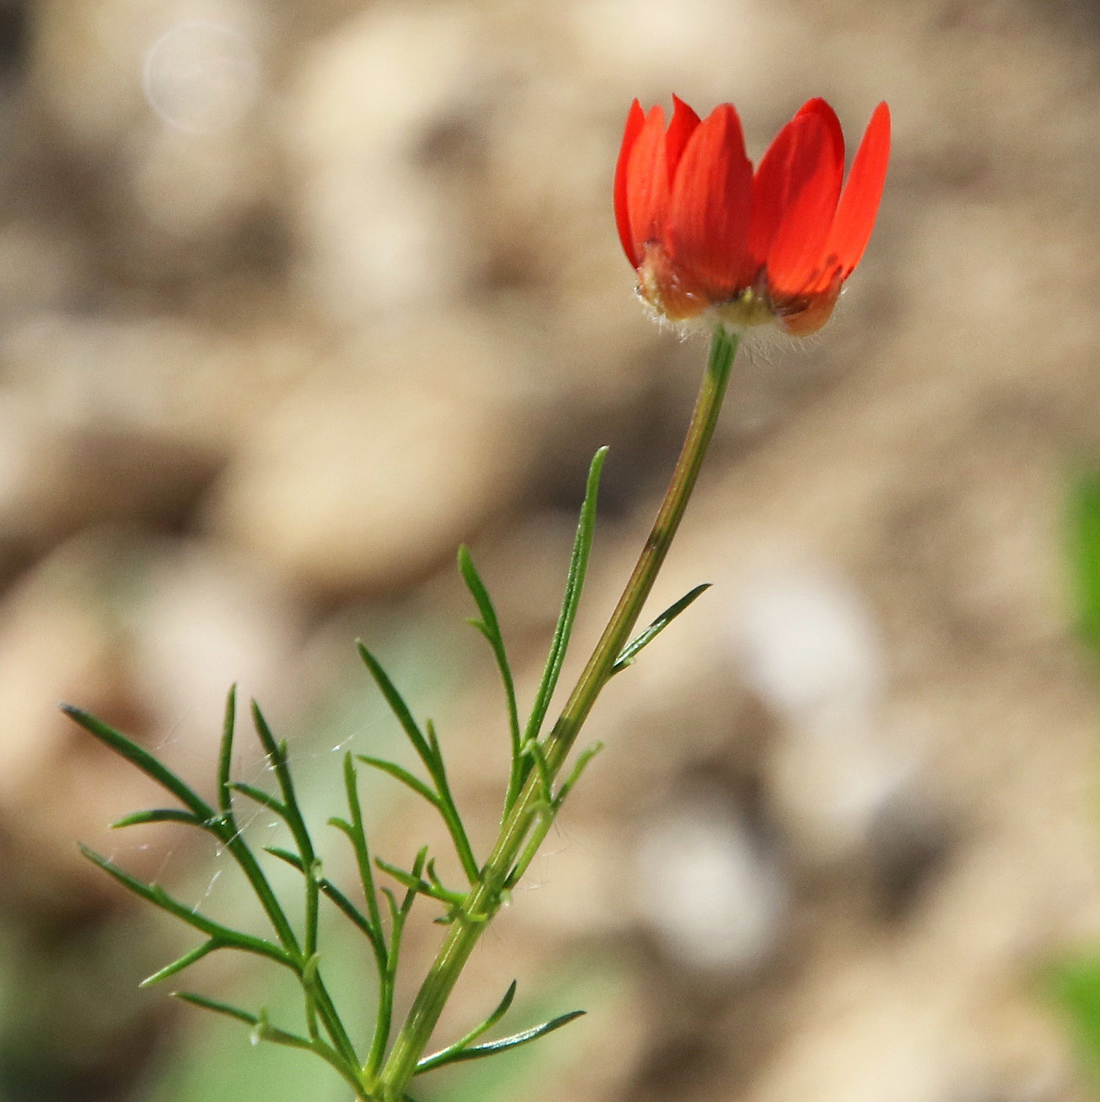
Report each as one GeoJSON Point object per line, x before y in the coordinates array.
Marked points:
{"type": "Point", "coordinates": [297, 296]}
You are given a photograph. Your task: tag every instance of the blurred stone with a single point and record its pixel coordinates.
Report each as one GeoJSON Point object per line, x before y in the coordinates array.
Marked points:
{"type": "Point", "coordinates": [56, 477]}
{"type": "Point", "coordinates": [380, 231]}
{"type": "Point", "coordinates": [373, 471]}
{"type": "Point", "coordinates": [40, 267]}
{"type": "Point", "coordinates": [86, 64]}
{"type": "Point", "coordinates": [194, 386]}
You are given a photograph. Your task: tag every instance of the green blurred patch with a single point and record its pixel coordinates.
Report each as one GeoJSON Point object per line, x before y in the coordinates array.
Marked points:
{"type": "Point", "coordinates": [1075, 985]}
{"type": "Point", "coordinates": [1084, 555]}
{"type": "Point", "coordinates": [1076, 988]}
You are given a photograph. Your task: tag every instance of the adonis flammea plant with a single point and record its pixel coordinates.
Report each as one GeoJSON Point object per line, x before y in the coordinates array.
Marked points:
{"type": "Point", "coordinates": [714, 244]}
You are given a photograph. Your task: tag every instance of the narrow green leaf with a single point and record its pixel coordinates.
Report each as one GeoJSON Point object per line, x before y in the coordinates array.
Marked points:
{"type": "Point", "coordinates": [337, 897]}
{"type": "Point", "coordinates": [402, 775]}
{"type": "Point", "coordinates": [447, 1054]}
{"type": "Point", "coordinates": [183, 962]}
{"type": "Point", "coordinates": [277, 755]}
{"type": "Point", "coordinates": [546, 811]}
{"type": "Point", "coordinates": [159, 815]}
{"type": "Point", "coordinates": [416, 874]}
{"type": "Point", "coordinates": [238, 849]}
{"type": "Point", "coordinates": [318, 999]}
{"type": "Point", "coordinates": [453, 1055]}
{"type": "Point", "coordinates": [221, 826]}
{"type": "Point", "coordinates": [419, 885]}
{"type": "Point", "coordinates": [292, 859]}
{"type": "Point", "coordinates": [578, 565]}
{"type": "Point", "coordinates": [280, 762]}
{"type": "Point", "coordinates": [427, 749]}
{"type": "Point", "coordinates": [225, 752]}
{"type": "Point", "coordinates": [218, 1007]}
{"type": "Point", "coordinates": [263, 1030]}
{"type": "Point", "coordinates": [449, 810]}
{"type": "Point", "coordinates": [397, 705]}
{"type": "Point", "coordinates": [457, 900]}
{"type": "Point", "coordinates": [398, 915]}
{"type": "Point", "coordinates": [394, 909]}
{"type": "Point", "coordinates": [575, 775]}
{"type": "Point", "coordinates": [434, 878]}
{"type": "Point", "coordinates": [160, 898]}
{"type": "Point", "coordinates": [358, 835]}
{"type": "Point", "coordinates": [330, 891]}
{"type": "Point", "coordinates": [630, 652]}
{"type": "Point", "coordinates": [489, 626]}
{"type": "Point", "coordinates": [502, 1008]}
{"type": "Point", "coordinates": [263, 733]}
{"type": "Point", "coordinates": [535, 752]}
{"type": "Point", "coordinates": [141, 758]}
{"type": "Point", "coordinates": [260, 796]}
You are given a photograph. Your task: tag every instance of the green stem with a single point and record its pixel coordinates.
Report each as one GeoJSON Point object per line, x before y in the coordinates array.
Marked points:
{"type": "Point", "coordinates": [485, 896]}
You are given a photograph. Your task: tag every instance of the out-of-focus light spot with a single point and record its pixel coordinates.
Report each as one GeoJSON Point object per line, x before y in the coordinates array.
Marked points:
{"type": "Point", "coordinates": [201, 77]}
{"type": "Point", "coordinates": [809, 645]}
{"type": "Point", "coordinates": [711, 895]}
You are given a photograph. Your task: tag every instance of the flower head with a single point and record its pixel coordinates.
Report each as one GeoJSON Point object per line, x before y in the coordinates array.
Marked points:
{"type": "Point", "coordinates": [709, 236]}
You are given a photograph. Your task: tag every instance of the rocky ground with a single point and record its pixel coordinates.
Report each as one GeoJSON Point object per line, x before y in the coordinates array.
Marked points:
{"type": "Point", "coordinates": [297, 297]}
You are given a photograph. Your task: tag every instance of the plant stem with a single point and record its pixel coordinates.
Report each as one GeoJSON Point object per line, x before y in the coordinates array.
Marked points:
{"type": "Point", "coordinates": [485, 896]}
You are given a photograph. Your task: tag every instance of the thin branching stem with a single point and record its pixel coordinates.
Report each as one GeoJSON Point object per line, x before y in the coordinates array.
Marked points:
{"type": "Point", "coordinates": [486, 895]}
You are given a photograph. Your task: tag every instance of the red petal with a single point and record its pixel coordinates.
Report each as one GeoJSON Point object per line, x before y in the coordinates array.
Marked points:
{"type": "Point", "coordinates": [683, 125]}
{"type": "Point", "coordinates": [812, 191]}
{"type": "Point", "coordinates": [795, 195]}
{"type": "Point", "coordinates": [647, 183]}
{"type": "Point", "coordinates": [708, 216]}
{"type": "Point", "coordinates": [827, 115]}
{"type": "Point", "coordinates": [634, 120]}
{"type": "Point", "coordinates": [855, 216]}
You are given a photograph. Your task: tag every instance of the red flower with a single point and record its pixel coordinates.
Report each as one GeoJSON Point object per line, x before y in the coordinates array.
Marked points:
{"type": "Point", "coordinates": [706, 233]}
